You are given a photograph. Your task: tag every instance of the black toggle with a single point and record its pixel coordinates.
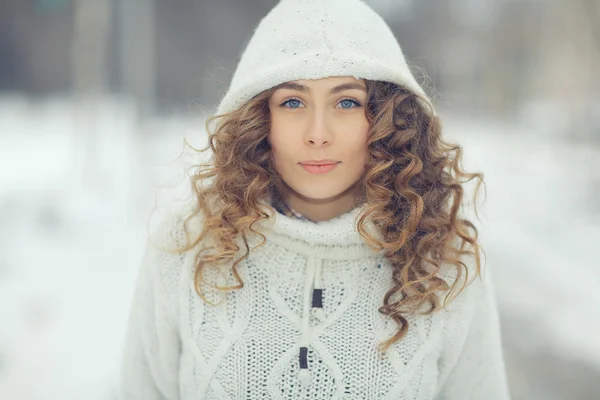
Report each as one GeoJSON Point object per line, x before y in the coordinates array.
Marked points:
{"type": "Point", "coordinates": [303, 357]}
{"type": "Point", "coordinates": [317, 299]}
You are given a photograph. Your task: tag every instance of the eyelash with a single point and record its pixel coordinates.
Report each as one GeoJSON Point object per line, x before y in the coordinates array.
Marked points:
{"type": "Point", "coordinates": [356, 102]}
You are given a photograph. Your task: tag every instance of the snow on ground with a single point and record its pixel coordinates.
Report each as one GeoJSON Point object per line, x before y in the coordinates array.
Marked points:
{"type": "Point", "coordinates": [72, 233]}
{"type": "Point", "coordinates": [71, 239]}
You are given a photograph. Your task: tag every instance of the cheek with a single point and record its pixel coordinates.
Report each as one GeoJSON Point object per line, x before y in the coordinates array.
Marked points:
{"type": "Point", "coordinates": [280, 146]}
{"type": "Point", "coordinates": [276, 135]}
{"type": "Point", "coordinates": [277, 129]}
{"type": "Point", "coordinates": [284, 135]}
{"type": "Point", "coordinates": [356, 141]}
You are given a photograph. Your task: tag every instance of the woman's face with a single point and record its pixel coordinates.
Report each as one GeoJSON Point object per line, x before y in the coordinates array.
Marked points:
{"type": "Point", "coordinates": [319, 138]}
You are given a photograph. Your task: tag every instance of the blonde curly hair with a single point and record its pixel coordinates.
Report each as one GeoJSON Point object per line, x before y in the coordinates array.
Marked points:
{"type": "Point", "coordinates": [413, 188]}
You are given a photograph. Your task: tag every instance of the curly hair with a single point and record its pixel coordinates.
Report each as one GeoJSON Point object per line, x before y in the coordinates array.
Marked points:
{"type": "Point", "coordinates": [413, 190]}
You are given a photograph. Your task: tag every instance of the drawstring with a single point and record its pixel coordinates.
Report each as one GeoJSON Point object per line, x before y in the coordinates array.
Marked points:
{"type": "Point", "coordinates": [317, 297]}
{"type": "Point", "coordinates": [313, 300]}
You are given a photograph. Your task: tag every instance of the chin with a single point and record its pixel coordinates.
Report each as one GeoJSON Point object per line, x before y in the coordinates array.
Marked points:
{"type": "Point", "coordinates": [319, 192]}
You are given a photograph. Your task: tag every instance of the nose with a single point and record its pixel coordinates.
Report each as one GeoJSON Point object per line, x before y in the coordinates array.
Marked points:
{"type": "Point", "coordinates": [317, 131]}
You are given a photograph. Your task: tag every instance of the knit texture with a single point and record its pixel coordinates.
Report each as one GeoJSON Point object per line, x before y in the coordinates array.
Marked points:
{"type": "Point", "coordinates": [178, 347]}
{"type": "Point", "coordinates": [314, 39]}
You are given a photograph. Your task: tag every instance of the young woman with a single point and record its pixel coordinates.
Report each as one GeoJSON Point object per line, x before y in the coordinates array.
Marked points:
{"type": "Point", "coordinates": [326, 255]}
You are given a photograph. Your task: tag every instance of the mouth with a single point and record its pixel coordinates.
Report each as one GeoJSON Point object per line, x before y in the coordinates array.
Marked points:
{"type": "Point", "coordinates": [323, 161]}
{"type": "Point", "coordinates": [319, 164]}
{"type": "Point", "coordinates": [319, 168]}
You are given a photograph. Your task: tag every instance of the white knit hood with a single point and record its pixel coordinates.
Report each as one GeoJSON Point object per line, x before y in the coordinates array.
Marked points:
{"type": "Point", "coordinates": [314, 39]}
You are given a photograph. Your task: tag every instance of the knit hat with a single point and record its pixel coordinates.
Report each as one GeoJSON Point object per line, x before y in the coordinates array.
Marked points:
{"type": "Point", "coordinates": [314, 39]}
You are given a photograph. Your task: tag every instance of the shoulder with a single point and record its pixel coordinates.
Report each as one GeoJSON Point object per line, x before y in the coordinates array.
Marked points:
{"type": "Point", "coordinates": [475, 307]}
{"type": "Point", "coordinates": [469, 275]}
{"type": "Point", "coordinates": [471, 287]}
{"type": "Point", "coordinates": [173, 230]}
{"type": "Point", "coordinates": [169, 255]}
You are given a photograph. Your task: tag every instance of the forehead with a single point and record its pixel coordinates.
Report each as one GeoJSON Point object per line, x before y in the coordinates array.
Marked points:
{"type": "Point", "coordinates": [329, 81]}
{"type": "Point", "coordinates": [342, 82]}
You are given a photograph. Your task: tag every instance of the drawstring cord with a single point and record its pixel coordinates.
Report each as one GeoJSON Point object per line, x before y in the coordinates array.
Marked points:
{"type": "Point", "coordinates": [312, 301]}
{"type": "Point", "coordinates": [317, 297]}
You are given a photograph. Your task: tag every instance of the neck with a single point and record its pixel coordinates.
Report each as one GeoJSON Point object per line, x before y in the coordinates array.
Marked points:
{"type": "Point", "coordinates": [335, 239]}
{"type": "Point", "coordinates": [322, 209]}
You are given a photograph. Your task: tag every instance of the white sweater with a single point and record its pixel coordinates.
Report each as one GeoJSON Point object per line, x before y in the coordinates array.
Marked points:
{"type": "Point", "coordinates": [252, 346]}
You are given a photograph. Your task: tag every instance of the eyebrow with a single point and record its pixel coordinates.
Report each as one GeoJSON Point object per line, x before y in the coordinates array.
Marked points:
{"type": "Point", "coordinates": [306, 89]}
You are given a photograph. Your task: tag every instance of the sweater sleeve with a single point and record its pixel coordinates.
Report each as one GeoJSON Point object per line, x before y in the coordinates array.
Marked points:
{"type": "Point", "coordinates": [150, 363]}
{"type": "Point", "coordinates": [472, 364]}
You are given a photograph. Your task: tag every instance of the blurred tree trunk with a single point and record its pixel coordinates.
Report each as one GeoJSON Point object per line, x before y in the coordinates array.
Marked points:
{"type": "Point", "coordinates": [592, 10]}
{"type": "Point", "coordinates": [137, 52]}
{"type": "Point", "coordinates": [137, 67]}
{"type": "Point", "coordinates": [89, 74]}
{"type": "Point", "coordinates": [593, 13]}
{"type": "Point", "coordinates": [590, 121]}
{"type": "Point", "coordinates": [90, 38]}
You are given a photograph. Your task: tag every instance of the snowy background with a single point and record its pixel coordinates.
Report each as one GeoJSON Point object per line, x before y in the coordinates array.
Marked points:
{"type": "Point", "coordinates": [70, 247]}
{"type": "Point", "coordinates": [96, 98]}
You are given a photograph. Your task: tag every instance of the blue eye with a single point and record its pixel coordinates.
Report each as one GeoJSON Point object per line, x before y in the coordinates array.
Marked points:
{"type": "Point", "coordinates": [292, 103]}
{"type": "Point", "coordinates": [348, 103]}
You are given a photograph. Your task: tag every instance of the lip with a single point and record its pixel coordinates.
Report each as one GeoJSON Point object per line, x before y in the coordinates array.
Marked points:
{"type": "Point", "coordinates": [327, 161]}
{"type": "Point", "coordinates": [319, 169]}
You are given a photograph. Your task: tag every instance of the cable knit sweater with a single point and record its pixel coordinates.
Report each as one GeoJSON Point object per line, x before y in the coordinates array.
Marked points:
{"type": "Point", "coordinates": [304, 326]}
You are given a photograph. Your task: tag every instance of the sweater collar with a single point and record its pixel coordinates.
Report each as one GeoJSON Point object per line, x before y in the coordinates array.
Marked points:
{"type": "Point", "coordinates": [336, 238]}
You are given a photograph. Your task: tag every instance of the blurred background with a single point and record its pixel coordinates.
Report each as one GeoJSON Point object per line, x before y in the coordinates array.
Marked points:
{"type": "Point", "coordinates": [96, 97]}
